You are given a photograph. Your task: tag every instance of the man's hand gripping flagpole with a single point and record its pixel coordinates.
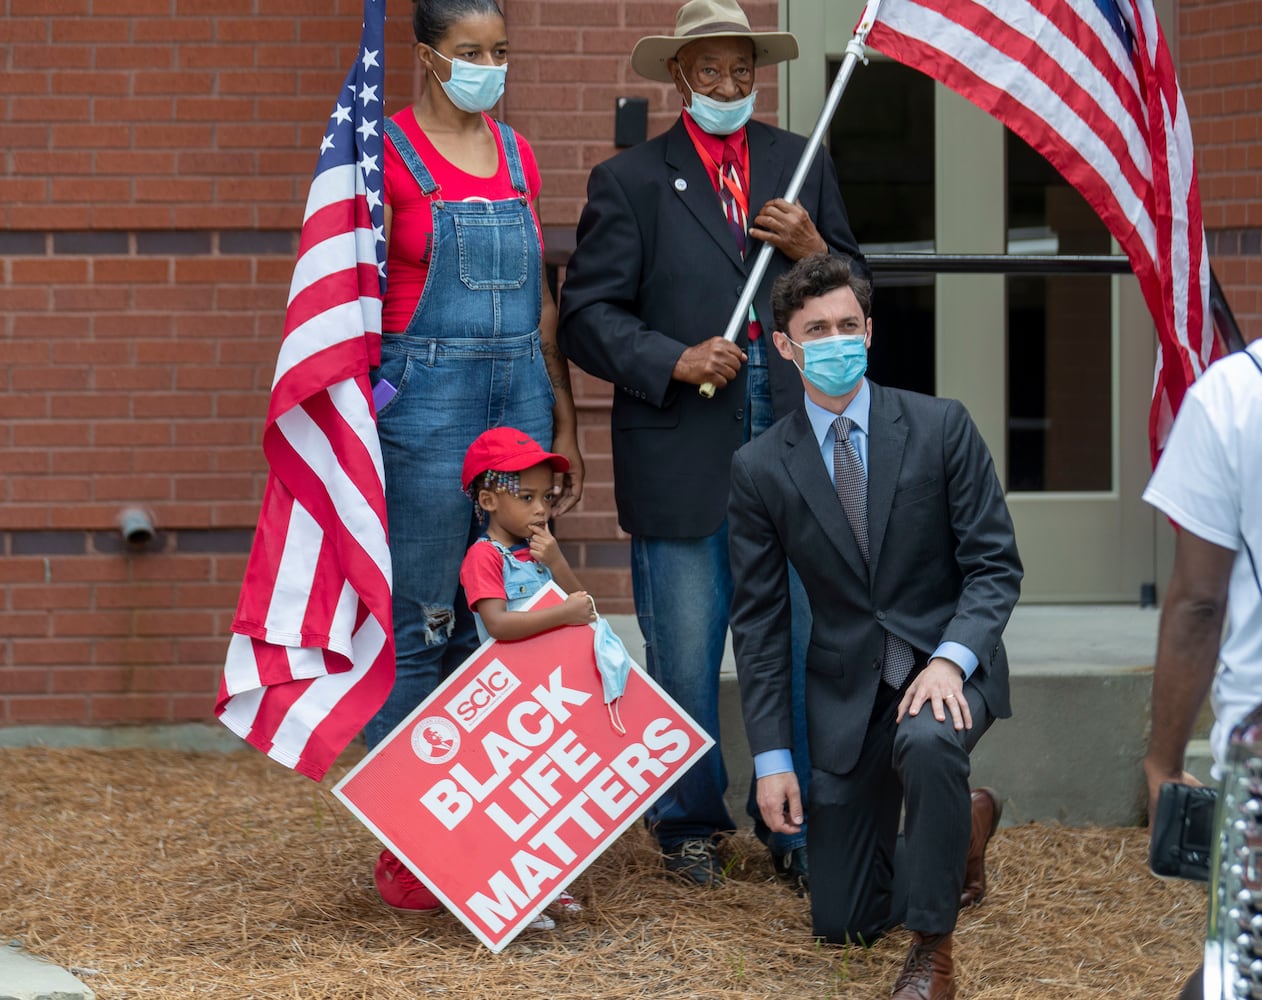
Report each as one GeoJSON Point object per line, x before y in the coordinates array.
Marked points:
{"type": "Point", "coordinates": [855, 52]}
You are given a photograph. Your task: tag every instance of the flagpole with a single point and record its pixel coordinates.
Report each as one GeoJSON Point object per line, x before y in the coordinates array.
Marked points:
{"type": "Point", "coordinates": [854, 54]}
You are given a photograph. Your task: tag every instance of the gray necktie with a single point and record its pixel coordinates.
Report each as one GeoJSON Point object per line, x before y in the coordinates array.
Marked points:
{"type": "Point", "coordinates": [851, 483]}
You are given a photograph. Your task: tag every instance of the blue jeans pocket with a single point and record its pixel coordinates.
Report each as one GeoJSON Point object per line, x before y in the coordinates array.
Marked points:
{"type": "Point", "coordinates": [493, 251]}
{"type": "Point", "coordinates": [395, 369]}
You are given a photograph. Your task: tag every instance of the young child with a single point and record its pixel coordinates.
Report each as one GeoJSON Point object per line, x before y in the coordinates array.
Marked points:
{"type": "Point", "coordinates": [509, 479]}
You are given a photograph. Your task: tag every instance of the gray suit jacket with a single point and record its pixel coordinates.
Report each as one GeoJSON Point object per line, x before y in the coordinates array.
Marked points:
{"type": "Point", "coordinates": [944, 566]}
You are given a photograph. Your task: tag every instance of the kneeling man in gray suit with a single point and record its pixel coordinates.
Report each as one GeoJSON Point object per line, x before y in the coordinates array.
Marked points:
{"type": "Point", "coordinates": [887, 504]}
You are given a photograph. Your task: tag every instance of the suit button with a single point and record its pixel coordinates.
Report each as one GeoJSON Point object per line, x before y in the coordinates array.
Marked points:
{"type": "Point", "coordinates": [740, 414]}
{"type": "Point", "coordinates": [876, 664]}
{"type": "Point", "coordinates": [880, 616]}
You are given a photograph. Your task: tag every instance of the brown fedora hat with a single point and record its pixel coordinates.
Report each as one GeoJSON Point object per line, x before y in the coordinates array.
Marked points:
{"type": "Point", "coordinates": [708, 19]}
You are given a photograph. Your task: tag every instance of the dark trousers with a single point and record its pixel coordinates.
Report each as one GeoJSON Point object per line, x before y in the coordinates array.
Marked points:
{"type": "Point", "coordinates": [863, 880]}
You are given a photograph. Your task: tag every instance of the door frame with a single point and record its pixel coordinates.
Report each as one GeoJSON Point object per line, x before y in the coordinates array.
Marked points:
{"type": "Point", "coordinates": [1078, 547]}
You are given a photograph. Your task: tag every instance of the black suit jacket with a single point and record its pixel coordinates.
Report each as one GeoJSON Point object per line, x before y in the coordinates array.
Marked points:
{"type": "Point", "coordinates": [943, 566]}
{"type": "Point", "coordinates": [656, 270]}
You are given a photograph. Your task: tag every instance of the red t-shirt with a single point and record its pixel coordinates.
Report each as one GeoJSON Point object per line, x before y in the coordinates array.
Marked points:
{"type": "Point", "coordinates": [411, 225]}
{"type": "Point", "coordinates": [482, 572]}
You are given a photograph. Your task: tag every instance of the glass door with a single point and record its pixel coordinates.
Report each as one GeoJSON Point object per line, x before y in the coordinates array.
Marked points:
{"type": "Point", "coordinates": [1055, 367]}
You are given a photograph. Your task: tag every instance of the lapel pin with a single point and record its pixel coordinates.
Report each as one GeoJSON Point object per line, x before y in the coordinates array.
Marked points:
{"type": "Point", "coordinates": [681, 184]}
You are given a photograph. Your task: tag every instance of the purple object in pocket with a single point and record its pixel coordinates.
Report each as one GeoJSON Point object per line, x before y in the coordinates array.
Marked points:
{"type": "Point", "coordinates": [382, 393]}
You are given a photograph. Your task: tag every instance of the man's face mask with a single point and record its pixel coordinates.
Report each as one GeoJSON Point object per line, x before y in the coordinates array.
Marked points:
{"type": "Point", "coordinates": [720, 117]}
{"type": "Point", "coordinates": [834, 365]}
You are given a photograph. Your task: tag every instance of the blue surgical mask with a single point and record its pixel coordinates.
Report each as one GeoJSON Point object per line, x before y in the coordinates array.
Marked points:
{"type": "Point", "coordinates": [613, 663]}
{"type": "Point", "coordinates": [720, 117]}
{"type": "Point", "coordinates": [834, 365]}
{"type": "Point", "coordinates": [473, 87]}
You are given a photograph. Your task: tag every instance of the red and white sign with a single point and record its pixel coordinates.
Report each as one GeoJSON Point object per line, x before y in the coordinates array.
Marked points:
{"type": "Point", "coordinates": [509, 780]}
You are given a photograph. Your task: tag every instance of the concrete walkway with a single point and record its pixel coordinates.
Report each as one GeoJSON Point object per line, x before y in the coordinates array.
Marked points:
{"type": "Point", "coordinates": [25, 977]}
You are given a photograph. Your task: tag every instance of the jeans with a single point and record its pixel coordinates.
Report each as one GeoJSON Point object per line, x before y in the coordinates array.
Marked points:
{"type": "Point", "coordinates": [448, 393]}
{"type": "Point", "coordinates": [683, 594]}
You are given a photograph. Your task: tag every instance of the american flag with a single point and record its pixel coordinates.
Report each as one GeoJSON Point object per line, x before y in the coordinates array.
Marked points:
{"type": "Point", "coordinates": [1090, 84]}
{"type": "Point", "coordinates": [312, 657]}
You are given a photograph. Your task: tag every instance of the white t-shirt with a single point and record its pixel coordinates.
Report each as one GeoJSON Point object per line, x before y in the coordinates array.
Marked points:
{"type": "Point", "coordinates": [1209, 482]}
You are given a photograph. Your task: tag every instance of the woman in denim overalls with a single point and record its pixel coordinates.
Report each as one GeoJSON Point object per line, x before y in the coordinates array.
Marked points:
{"type": "Point", "coordinates": [478, 351]}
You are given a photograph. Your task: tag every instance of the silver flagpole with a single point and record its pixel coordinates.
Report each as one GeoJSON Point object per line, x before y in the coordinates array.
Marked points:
{"type": "Point", "coordinates": [854, 54]}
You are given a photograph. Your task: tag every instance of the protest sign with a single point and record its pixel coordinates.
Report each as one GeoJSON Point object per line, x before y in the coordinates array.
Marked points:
{"type": "Point", "coordinates": [510, 779]}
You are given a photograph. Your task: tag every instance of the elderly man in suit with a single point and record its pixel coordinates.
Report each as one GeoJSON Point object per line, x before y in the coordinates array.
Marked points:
{"type": "Point", "coordinates": [665, 243]}
{"type": "Point", "coordinates": [887, 504]}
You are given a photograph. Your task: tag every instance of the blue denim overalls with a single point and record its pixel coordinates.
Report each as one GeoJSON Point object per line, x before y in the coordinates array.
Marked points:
{"type": "Point", "coordinates": [522, 580]}
{"type": "Point", "coordinates": [469, 360]}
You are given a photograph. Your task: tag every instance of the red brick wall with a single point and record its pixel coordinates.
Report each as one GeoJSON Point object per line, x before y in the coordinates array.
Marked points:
{"type": "Point", "coordinates": [1220, 69]}
{"type": "Point", "coordinates": [156, 158]}
{"type": "Point", "coordinates": [122, 115]}
{"type": "Point", "coordinates": [156, 165]}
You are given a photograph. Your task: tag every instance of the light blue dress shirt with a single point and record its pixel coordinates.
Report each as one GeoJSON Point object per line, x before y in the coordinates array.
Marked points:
{"type": "Point", "coordinates": [822, 421]}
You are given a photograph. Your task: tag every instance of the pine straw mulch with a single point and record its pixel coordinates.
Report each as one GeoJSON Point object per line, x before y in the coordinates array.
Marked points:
{"type": "Point", "coordinates": [155, 873]}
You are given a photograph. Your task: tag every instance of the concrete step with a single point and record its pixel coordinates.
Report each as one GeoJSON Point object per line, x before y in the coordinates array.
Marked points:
{"type": "Point", "coordinates": [25, 977]}
{"type": "Point", "coordinates": [1071, 753]}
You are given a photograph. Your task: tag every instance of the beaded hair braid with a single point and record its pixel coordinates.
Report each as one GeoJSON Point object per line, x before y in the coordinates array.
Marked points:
{"type": "Point", "coordinates": [496, 482]}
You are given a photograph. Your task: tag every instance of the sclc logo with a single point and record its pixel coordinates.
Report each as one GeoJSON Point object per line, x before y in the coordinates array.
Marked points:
{"type": "Point", "coordinates": [475, 700]}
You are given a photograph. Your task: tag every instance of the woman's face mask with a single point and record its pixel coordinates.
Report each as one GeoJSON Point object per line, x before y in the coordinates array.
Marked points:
{"type": "Point", "coordinates": [473, 87]}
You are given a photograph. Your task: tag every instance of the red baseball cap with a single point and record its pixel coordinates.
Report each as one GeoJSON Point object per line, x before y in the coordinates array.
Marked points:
{"type": "Point", "coordinates": [506, 449]}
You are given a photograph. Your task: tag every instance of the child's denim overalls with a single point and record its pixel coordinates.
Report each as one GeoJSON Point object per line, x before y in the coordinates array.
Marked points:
{"type": "Point", "coordinates": [469, 360]}
{"type": "Point", "coordinates": [522, 580]}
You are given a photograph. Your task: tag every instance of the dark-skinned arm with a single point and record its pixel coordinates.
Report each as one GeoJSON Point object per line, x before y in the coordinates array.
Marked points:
{"type": "Point", "coordinates": [1187, 654]}
{"type": "Point", "coordinates": [564, 418]}
{"type": "Point", "coordinates": [500, 623]}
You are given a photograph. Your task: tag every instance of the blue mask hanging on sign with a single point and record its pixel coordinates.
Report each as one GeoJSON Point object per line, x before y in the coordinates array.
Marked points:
{"type": "Point", "coordinates": [613, 663]}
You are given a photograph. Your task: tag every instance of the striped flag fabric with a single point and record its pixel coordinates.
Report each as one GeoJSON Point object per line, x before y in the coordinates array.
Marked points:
{"type": "Point", "coordinates": [1090, 84]}
{"type": "Point", "coordinates": [312, 654]}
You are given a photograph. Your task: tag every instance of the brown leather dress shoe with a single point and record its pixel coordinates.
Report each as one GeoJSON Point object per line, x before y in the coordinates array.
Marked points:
{"type": "Point", "coordinates": [987, 809]}
{"type": "Point", "coordinates": [929, 972]}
